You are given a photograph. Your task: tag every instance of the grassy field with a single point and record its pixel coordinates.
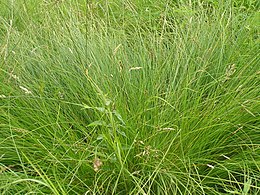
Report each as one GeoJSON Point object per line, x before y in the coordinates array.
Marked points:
{"type": "Point", "coordinates": [129, 97]}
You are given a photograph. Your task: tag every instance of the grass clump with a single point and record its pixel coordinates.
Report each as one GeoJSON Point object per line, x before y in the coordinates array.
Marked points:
{"type": "Point", "coordinates": [121, 97]}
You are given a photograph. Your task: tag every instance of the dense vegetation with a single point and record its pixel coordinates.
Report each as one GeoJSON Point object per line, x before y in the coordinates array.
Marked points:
{"type": "Point", "coordinates": [129, 97]}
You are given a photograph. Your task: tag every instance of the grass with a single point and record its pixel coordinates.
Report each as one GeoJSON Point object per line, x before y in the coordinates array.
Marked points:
{"type": "Point", "coordinates": [126, 97]}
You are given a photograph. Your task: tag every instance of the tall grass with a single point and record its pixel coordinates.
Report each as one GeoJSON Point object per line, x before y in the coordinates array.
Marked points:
{"type": "Point", "coordinates": [129, 98]}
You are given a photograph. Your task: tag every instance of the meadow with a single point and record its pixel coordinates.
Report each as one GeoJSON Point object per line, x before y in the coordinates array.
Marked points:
{"type": "Point", "coordinates": [129, 97]}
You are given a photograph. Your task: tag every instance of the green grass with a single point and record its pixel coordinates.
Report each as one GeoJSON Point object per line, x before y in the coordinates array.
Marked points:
{"type": "Point", "coordinates": [126, 97]}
